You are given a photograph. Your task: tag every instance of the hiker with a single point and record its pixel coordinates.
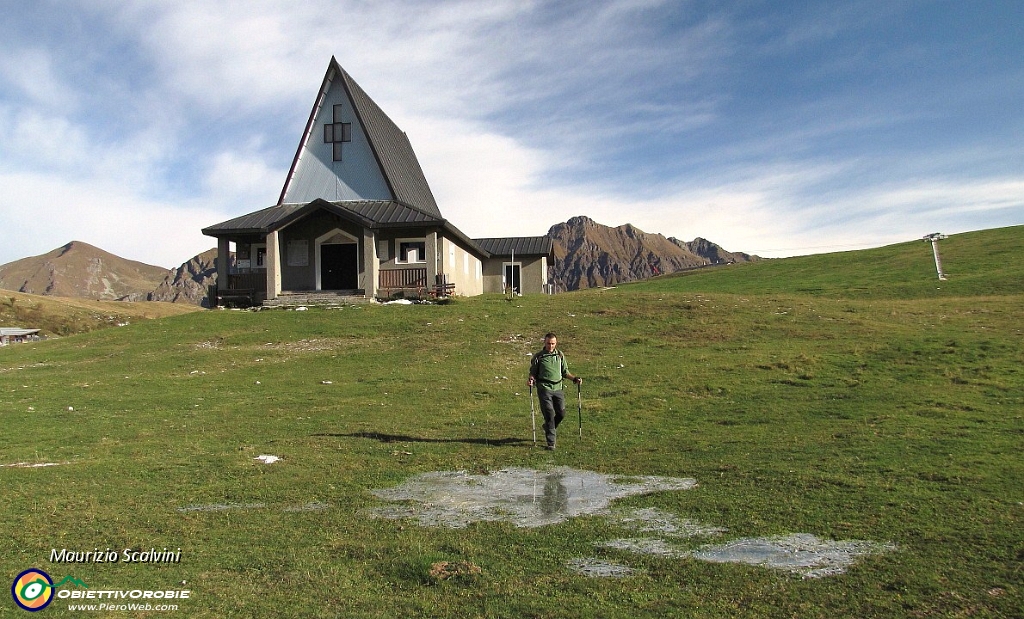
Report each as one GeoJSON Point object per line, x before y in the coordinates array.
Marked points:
{"type": "Point", "coordinates": [547, 371]}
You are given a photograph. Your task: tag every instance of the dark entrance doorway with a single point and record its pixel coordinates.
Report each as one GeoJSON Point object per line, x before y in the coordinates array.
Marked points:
{"type": "Point", "coordinates": [513, 278]}
{"type": "Point", "coordinates": [339, 269]}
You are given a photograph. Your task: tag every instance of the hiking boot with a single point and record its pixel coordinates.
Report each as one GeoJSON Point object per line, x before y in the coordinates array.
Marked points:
{"type": "Point", "coordinates": [550, 447]}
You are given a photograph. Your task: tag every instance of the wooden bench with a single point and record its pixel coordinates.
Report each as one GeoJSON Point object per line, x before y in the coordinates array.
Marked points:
{"type": "Point", "coordinates": [244, 296]}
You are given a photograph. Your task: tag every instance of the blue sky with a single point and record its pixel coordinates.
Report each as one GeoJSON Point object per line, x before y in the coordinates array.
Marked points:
{"type": "Point", "coordinates": [772, 127]}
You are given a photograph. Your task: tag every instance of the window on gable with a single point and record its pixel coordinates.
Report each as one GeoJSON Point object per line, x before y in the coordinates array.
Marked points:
{"type": "Point", "coordinates": [337, 133]}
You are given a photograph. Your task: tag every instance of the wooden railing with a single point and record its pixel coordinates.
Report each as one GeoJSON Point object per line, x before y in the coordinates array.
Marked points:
{"type": "Point", "coordinates": [402, 278]}
{"type": "Point", "coordinates": [255, 281]}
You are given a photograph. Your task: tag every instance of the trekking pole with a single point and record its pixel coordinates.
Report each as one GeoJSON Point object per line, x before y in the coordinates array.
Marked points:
{"type": "Point", "coordinates": [579, 410]}
{"type": "Point", "coordinates": [533, 417]}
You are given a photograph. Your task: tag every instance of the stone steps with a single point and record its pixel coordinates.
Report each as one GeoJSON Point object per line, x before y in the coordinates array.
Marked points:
{"type": "Point", "coordinates": [318, 299]}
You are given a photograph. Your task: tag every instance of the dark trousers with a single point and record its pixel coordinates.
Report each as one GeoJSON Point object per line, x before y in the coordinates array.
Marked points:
{"type": "Point", "coordinates": [552, 405]}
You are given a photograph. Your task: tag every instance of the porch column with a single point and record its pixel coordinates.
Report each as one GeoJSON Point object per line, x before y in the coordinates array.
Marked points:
{"type": "Point", "coordinates": [431, 249]}
{"type": "Point", "coordinates": [371, 264]}
{"type": "Point", "coordinates": [273, 265]}
{"type": "Point", "coordinates": [223, 262]}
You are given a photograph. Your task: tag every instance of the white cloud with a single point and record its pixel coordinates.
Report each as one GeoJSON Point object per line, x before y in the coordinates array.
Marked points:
{"type": "Point", "coordinates": [233, 180]}
{"type": "Point", "coordinates": [43, 139]}
{"type": "Point", "coordinates": [30, 71]}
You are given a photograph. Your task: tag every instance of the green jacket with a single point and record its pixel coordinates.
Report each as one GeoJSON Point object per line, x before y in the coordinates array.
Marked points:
{"type": "Point", "coordinates": [548, 369]}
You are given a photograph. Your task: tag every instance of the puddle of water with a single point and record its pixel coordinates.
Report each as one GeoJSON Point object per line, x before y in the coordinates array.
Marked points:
{"type": "Point", "coordinates": [654, 520]}
{"type": "Point", "coordinates": [532, 498]}
{"type": "Point", "coordinates": [596, 568]}
{"type": "Point", "coordinates": [523, 497]}
{"type": "Point", "coordinates": [645, 546]}
{"type": "Point", "coordinates": [800, 553]}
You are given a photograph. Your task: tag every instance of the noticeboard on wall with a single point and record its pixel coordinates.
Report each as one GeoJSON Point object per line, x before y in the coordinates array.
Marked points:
{"type": "Point", "coordinates": [298, 253]}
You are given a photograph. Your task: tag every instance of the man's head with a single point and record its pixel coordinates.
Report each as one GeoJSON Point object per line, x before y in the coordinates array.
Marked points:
{"type": "Point", "coordinates": [550, 341]}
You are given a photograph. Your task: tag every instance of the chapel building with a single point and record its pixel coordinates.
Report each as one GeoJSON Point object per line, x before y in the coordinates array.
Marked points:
{"type": "Point", "coordinates": [356, 218]}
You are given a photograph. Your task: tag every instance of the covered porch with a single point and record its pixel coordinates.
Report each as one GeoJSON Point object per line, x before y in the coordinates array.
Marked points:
{"type": "Point", "coordinates": [261, 274]}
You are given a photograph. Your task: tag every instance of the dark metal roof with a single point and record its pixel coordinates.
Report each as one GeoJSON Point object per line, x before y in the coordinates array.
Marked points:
{"type": "Point", "coordinates": [393, 150]}
{"type": "Point", "coordinates": [259, 221]}
{"type": "Point", "coordinates": [391, 147]}
{"type": "Point", "coordinates": [382, 212]}
{"type": "Point", "coordinates": [369, 213]}
{"type": "Point", "coordinates": [372, 214]}
{"type": "Point", "coordinates": [523, 245]}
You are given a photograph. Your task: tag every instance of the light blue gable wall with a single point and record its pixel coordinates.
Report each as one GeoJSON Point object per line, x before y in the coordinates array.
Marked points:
{"type": "Point", "coordinates": [356, 177]}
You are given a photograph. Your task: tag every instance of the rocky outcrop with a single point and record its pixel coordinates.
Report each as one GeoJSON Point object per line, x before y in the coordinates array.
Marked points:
{"type": "Point", "coordinates": [712, 252]}
{"type": "Point", "coordinates": [189, 282]}
{"type": "Point", "coordinates": [590, 255]}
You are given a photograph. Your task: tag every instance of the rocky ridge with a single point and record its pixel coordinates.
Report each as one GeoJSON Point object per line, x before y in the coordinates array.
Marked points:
{"type": "Point", "coordinates": [591, 255]}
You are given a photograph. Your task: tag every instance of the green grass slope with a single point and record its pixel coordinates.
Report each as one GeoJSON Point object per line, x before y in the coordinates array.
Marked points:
{"type": "Point", "coordinates": [987, 262]}
{"type": "Point", "coordinates": [894, 418]}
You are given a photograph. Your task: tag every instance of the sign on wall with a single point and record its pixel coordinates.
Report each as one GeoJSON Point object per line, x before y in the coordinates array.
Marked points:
{"type": "Point", "coordinates": [298, 253]}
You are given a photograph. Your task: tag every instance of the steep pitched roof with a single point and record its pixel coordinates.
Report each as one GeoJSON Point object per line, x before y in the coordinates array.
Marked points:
{"type": "Point", "coordinates": [391, 147]}
{"type": "Point", "coordinates": [522, 245]}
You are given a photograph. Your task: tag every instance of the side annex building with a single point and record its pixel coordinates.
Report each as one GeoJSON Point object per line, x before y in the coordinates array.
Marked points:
{"type": "Point", "coordinates": [356, 218]}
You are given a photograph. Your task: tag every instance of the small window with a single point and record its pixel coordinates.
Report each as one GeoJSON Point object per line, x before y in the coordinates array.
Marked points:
{"type": "Point", "coordinates": [412, 251]}
{"type": "Point", "coordinates": [261, 256]}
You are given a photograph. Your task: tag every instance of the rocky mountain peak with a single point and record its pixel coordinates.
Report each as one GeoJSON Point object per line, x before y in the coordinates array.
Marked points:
{"type": "Point", "coordinates": [589, 254]}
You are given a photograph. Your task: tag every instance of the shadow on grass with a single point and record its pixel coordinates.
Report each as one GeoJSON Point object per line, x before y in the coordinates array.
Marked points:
{"type": "Point", "coordinates": [401, 438]}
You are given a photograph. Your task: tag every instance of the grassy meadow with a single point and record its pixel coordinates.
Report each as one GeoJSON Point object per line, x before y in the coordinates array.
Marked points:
{"type": "Point", "coordinates": [849, 396]}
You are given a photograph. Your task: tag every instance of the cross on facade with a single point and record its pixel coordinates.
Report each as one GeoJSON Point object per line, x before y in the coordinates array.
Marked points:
{"type": "Point", "coordinates": [336, 133]}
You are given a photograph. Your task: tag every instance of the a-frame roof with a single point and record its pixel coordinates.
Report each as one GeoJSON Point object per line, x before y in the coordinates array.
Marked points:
{"type": "Point", "coordinates": [390, 146]}
{"type": "Point", "coordinates": [406, 201]}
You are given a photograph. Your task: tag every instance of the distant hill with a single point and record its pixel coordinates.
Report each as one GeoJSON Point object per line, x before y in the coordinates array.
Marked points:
{"type": "Point", "coordinates": [590, 255]}
{"type": "Point", "coordinates": [80, 270]}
